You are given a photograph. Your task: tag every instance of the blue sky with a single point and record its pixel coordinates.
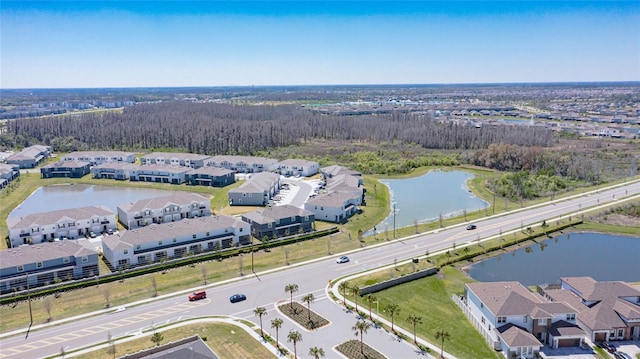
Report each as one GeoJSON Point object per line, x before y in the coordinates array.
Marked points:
{"type": "Point", "coordinates": [215, 43]}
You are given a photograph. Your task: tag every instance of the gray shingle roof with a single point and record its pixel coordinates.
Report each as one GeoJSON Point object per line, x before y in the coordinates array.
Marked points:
{"type": "Point", "coordinates": [515, 336]}
{"type": "Point", "coordinates": [259, 182]}
{"type": "Point", "coordinates": [180, 228]}
{"type": "Point", "coordinates": [42, 252]}
{"type": "Point", "coordinates": [271, 214]}
{"type": "Point", "coordinates": [178, 155]}
{"type": "Point", "coordinates": [296, 162]}
{"type": "Point", "coordinates": [212, 171]}
{"type": "Point", "coordinates": [333, 199]}
{"type": "Point", "coordinates": [67, 164]}
{"type": "Point", "coordinates": [58, 215]}
{"type": "Point", "coordinates": [178, 198]}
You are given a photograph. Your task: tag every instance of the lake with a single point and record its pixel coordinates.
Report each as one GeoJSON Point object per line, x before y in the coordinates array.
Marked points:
{"type": "Point", "coordinates": [603, 257]}
{"type": "Point", "coordinates": [425, 198]}
{"type": "Point", "coordinates": [50, 198]}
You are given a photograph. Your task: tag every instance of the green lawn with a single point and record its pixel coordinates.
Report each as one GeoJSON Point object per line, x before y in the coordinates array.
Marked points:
{"type": "Point", "coordinates": [430, 298]}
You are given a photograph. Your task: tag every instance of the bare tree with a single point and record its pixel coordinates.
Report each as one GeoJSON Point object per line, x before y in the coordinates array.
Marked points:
{"type": "Point", "coordinates": [47, 306]}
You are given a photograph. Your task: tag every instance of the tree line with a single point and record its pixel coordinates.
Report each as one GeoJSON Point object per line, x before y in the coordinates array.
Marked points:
{"type": "Point", "coordinates": [218, 128]}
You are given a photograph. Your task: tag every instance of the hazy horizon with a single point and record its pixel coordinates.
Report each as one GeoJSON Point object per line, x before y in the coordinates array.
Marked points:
{"type": "Point", "coordinates": [140, 44]}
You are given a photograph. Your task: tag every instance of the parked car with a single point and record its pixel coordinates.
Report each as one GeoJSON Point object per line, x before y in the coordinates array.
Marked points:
{"type": "Point", "coordinates": [92, 234]}
{"type": "Point", "coordinates": [343, 259]}
{"type": "Point", "coordinates": [109, 231]}
{"type": "Point", "coordinates": [622, 355]}
{"type": "Point", "coordinates": [199, 294]}
{"type": "Point", "coordinates": [237, 298]}
{"type": "Point", "coordinates": [607, 346]}
{"type": "Point", "coordinates": [471, 226]}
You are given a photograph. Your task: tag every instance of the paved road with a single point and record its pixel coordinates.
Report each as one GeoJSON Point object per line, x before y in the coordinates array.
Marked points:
{"type": "Point", "coordinates": [266, 289]}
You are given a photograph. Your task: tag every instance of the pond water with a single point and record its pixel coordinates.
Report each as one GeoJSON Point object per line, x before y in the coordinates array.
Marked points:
{"type": "Point", "coordinates": [603, 257]}
{"type": "Point", "coordinates": [50, 198]}
{"type": "Point", "coordinates": [425, 198]}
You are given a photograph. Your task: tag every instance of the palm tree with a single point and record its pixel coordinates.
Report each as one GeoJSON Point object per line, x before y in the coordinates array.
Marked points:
{"type": "Point", "coordinates": [291, 288]}
{"type": "Point", "coordinates": [370, 298]}
{"type": "Point", "coordinates": [294, 336]}
{"type": "Point", "coordinates": [414, 320]}
{"type": "Point", "coordinates": [309, 298]}
{"type": "Point", "coordinates": [260, 311]}
{"type": "Point", "coordinates": [443, 335]}
{"type": "Point", "coordinates": [344, 287]}
{"type": "Point", "coordinates": [356, 293]}
{"type": "Point", "coordinates": [276, 323]}
{"type": "Point", "coordinates": [316, 352]}
{"type": "Point", "coordinates": [361, 328]}
{"type": "Point", "coordinates": [393, 309]}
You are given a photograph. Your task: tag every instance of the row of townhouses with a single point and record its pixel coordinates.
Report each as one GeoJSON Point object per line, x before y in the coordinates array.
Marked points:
{"type": "Point", "coordinates": [344, 193]}
{"type": "Point", "coordinates": [30, 157]}
{"type": "Point", "coordinates": [520, 322]}
{"type": "Point", "coordinates": [273, 222]}
{"type": "Point", "coordinates": [175, 207]}
{"type": "Point", "coordinates": [256, 191]}
{"type": "Point", "coordinates": [8, 173]}
{"type": "Point", "coordinates": [157, 242]}
{"type": "Point", "coordinates": [45, 263]}
{"type": "Point", "coordinates": [60, 224]}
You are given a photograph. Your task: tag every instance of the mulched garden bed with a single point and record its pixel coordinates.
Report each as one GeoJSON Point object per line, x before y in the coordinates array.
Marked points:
{"type": "Point", "coordinates": [351, 350]}
{"type": "Point", "coordinates": [300, 314]}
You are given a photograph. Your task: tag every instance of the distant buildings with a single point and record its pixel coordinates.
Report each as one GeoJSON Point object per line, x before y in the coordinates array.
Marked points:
{"type": "Point", "coordinates": [8, 173]}
{"type": "Point", "coordinates": [243, 164]}
{"type": "Point", "coordinates": [100, 157]}
{"type": "Point", "coordinates": [30, 157]}
{"type": "Point", "coordinates": [69, 169]}
{"type": "Point", "coordinates": [210, 176]}
{"type": "Point", "coordinates": [297, 167]}
{"type": "Point", "coordinates": [191, 160]}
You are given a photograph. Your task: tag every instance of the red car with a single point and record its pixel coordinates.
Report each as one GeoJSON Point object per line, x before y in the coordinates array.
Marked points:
{"type": "Point", "coordinates": [199, 294]}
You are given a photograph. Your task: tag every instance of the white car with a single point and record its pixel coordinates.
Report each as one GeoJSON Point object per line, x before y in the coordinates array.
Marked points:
{"type": "Point", "coordinates": [343, 259]}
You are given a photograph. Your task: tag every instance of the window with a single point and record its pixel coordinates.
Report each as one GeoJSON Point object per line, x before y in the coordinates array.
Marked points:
{"type": "Point", "coordinates": [159, 243]}
{"type": "Point", "coordinates": [293, 219]}
{"type": "Point", "coordinates": [482, 320]}
{"type": "Point", "coordinates": [571, 316]}
{"type": "Point", "coordinates": [126, 251]}
{"type": "Point", "coordinates": [175, 239]}
{"type": "Point", "coordinates": [241, 229]}
{"type": "Point", "coordinates": [65, 260]}
{"type": "Point", "coordinates": [524, 319]}
{"type": "Point", "coordinates": [208, 234]}
{"type": "Point", "coordinates": [39, 265]}
{"type": "Point", "coordinates": [620, 333]}
{"type": "Point", "coordinates": [502, 320]}
{"type": "Point", "coordinates": [85, 259]}
{"type": "Point", "coordinates": [20, 268]}
{"type": "Point", "coordinates": [306, 218]}
{"type": "Point", "coordinates": [481, 305]}
{"type": "Point", "coordinates": [194, 236]}
{"type": "Point", "coordinates": [270, 224]}
{"type": "Point", "coordinates": [138, 246]}
{"type": "Point", "coordinates": [542, 321]}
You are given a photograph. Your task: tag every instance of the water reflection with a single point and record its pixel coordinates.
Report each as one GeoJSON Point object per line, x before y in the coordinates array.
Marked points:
{"type": "Point", "coordinates": [425, 198]}
{"type": "Point", "coordinates": [50, 198]}
{"type": "Point", "coordinates": [601, 256]}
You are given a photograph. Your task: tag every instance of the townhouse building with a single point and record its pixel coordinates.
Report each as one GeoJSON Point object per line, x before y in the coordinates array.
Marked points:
{"type": "Point", "coordinates": [60, 224]}
{"type": "Point", "coordinates": [159, 173]}
{"type": "Point", "coordinates": [256, 191]}
{"type": "Point", "coordinates": [606, 310]}
{"type": "Point", "coordinates": [8, 173]}
{"type": "Point", "coordinates": [243, 164]}
{"type": "Point", "coordinates": [100, 157]}
{"type": "Point", "coordinates": [517, 321]}
{"type": "Point", "coordinates": [45, 263]}
{"type": "Point", "coordinates": [114, 170]}
{"type": "Point", "coordinates": [191, 160]}
{"type": "Point", "coordinates": [158, 242]}
{"type": "Point", "coordinates": [297, 167]}
{"type": "Point", "coordinates": [171, 208]}
{"type": "Point", "coordinates": [210, 176]}
{"type": "Point", "coordinates": [69, 169]}
{"type": "Point", "coordinates": [279, 221]}
{"type": "Point", "coordinates": [349, 184]}
{"type": "Point", "coordinates": [30, 157]}
{"type": "Point", "coordinates": [336, 207]}
{"type": "Point", "coordinates": [335, 170]}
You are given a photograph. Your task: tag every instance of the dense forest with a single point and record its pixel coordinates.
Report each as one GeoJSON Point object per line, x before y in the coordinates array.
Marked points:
{"type": "Point", "coordinates": [216, 128]}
